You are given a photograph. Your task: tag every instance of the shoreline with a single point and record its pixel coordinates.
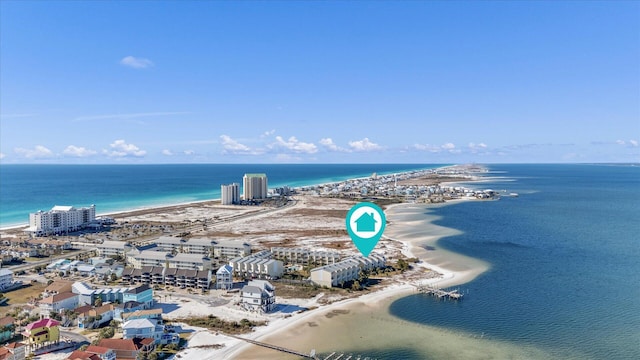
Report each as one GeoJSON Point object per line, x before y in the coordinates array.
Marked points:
{"type": "Point", "coordinates": [374, 301]}
{"type": "Point", "coordinates": [161, 206]}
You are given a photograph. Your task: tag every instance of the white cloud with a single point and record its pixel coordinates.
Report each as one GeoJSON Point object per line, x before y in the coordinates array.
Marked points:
{"type": "Point", "coordinates": [621, 142]}
{"type": "Point", "coordinates": [136, 63]}
{"type": "Point", "coordinates": [633, 143]}
{"type": "Point", "coordinates": [189, 152]}
{"type": "Point", "coordinates": [233, 146]}
{"type": "Point", "coordinates": [167, 152]}
{"type": "Point", "coordinates": [449, 146]}
{"type": "Point", "coordinates": [331, 146]}
{"type": "Point", "coordinates": [2, 156]}
{"type": "Point", "coordinates": [427, 147]}
{"type": "Point", "coordinates": [364, 145]}
{"type": "Point", "coordinates": [295, 145]}
{"type": "Point", "coordinates": [38, 152]}
{"type": "Point", "coordinates": [120, 148]}
{"type": "Point", "coordinates": [267, 133]}
{"type": "Point", "coordinates": [78, 151]}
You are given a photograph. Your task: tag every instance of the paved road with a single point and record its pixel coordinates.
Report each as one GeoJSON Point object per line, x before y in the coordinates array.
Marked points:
{"type": "Point", "coordinates": [77, 338]}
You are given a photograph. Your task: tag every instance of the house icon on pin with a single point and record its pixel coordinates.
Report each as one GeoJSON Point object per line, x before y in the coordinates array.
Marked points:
{"type": "Point", "coordinates": [366, 223]}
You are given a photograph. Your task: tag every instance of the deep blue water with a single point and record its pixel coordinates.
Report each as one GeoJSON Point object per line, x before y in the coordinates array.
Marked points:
{"type": "Point", "coordinates": [28, 188]}
{"type": "Point", "coordinates": [565, 262]}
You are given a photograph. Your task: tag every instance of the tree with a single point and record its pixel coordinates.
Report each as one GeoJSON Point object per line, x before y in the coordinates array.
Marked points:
{"type": "Point", "coordinates": [356, 285]}
{"type": "Point", "coordinates": [106, 333]}
{"type": "Point", "coordinates": [97, 302]}
{"type": "Point", "coordinates": [114, 277]}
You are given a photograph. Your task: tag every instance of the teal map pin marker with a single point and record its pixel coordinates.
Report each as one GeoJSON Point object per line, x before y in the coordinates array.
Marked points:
{"type": "Point", "coordinates": [365, 225]}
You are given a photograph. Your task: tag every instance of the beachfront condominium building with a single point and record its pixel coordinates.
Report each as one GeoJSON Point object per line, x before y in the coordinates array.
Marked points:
{"type": "Point", "coordinates": [230, 194]}
{"type": "Point", "coordinates": [254, 186]}
{"type": "Point", "coordinates": [60, 219]}
{"type": "Point", "coordinates": [296, 255]}
{"type": "Point", "coordinates": [347, 270]}
{"type": "Point", "coordinates": [110, 248]}
{"type": "Point", "coordinates": [258, 265]}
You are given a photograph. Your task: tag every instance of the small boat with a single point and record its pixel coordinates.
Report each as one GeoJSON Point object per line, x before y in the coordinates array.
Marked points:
{"type": "Point", "coordinates": [513, 194]}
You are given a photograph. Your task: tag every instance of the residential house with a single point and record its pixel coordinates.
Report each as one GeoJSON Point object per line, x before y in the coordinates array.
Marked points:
{"type": "Point", "coordinates": [95, 317]}
{"type": "Point", "coordinates": [259, 296]}
{"type": "Point", "coordinates": [7, 327]}
{"type": "Point", "coordinates": [82, 355]}
{"type": "Point", "coordinates": [142, 294]}
{"type": "Point", "coordinates": [42, 332]}
{"type": "Point", "coordinates": [13, 351]}
{"type": "Point", "coordinates": [148, 328]}
{"type": "Point", "coordinates": [224, 277]}
{"type": "Point", "coordinates": [57, 287]}
{"type": "Point", "coordinates": [58, 303]}
{"type": "Point", "coordinates": [155, 314]}
{"type": "Point", "coordinates": [129, 348]}
{"type": "Point", "coordinates": [103, 352]}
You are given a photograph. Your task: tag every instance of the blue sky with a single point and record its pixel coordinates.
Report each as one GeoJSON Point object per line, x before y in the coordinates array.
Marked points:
{"type": "Point", "coordinates": [350, 82]}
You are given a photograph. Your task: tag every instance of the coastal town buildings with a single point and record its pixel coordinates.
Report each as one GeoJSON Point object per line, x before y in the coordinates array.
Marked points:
{"type": "Point", "coordinates": [258, 296]}
{"type": "Point", "coordinates": [258, 265]}
{"type": "Point", "coordinates": [296, 255]}
{"type": "Point", "coordinates": [110, 248]}
{"type": "Point", "coordinates": [60, 219]}
{"type": "Point", "coordinates": [230, 194]}
{"type": "Point", "coordinates": [254, 186]}
{"type": "Point", "coordinates": [347, 270]}
{"type": "Point", "coordinates": [158, 275]}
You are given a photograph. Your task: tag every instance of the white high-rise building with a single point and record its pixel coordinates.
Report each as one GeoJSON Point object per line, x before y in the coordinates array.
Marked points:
{"type": "Point", "coordinates": [254, 186]}
{"type": "Point", "coordinates": [230, 194]}
{"type": "Point", "coordinates": [60, 219]}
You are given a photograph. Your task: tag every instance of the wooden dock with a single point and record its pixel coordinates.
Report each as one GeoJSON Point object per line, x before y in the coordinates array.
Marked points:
{"type": "Point", "coordinates": [312, 355]}
{"type": "Point", "coordinates": [439, 293]}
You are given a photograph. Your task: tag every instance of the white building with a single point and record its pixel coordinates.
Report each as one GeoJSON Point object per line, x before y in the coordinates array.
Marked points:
{"type": "Point", "coordinates": [110, 248]}
{"type": "Point", "coordinates": [254, 186]}
{"type": "Point", "coordinates": [6, 278]}
{"type": "Point", "coordinates": [169, 243]}
{"type": "Point", "coordinates": [259, 296]}
{"type": "Point", "coordinates": [230, 249]}
{"type": "Point", "coordinates": [230, 194]}
{"type": "Point", "coordinates": [347, 270]}
{"type": "Point", "coordinates": [148, 328]}
{"type": "Point", "coordinates": [258, 265]}
{"type": "Point", "coordinates": [203, 246]}
{"type": "Point", "coordinates": [189, 261]}
{"type": "Point", "coordinates": [60, 219]}
{"type": "Point", "coordinates": [57, 303]}
{"type": "Point", "coordinates": [224, 277]}
{"type": "Point", "coordinates": [296, 255]}
{"type": "Point", "coordinates": [138, 259]}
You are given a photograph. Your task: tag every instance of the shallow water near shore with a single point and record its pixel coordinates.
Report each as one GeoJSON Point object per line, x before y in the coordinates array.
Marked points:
{"type": "Point", "coordinates": [554, 271]}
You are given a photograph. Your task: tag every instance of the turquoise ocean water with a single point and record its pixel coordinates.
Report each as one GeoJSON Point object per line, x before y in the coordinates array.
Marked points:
{"type": "Point", "coordinates": [28, 188]}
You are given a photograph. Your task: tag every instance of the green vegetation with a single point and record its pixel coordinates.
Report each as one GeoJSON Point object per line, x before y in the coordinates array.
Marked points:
{"type": "Point", "coordinates": [214, 323]}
